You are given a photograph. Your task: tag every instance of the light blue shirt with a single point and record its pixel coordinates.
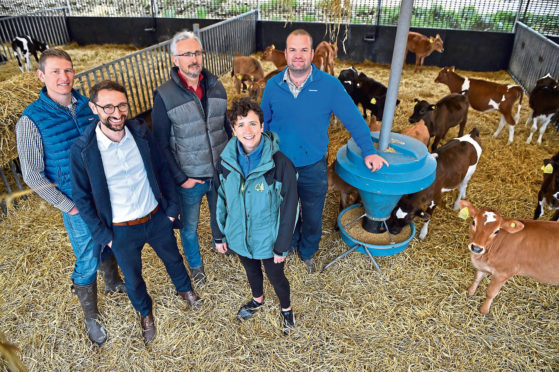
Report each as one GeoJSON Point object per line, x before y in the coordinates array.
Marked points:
{"type": "Point", "coordinates": [129, 189]}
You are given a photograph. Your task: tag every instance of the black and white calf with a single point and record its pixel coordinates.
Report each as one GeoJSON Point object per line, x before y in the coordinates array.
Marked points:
{"type": "Point", "coordinates": [456, 163]}
{"type": "Point", "coordinates": [24, 47]}
{"type": "Point", "coordinates": [3, 59]}
{"type": "Point", "coordinates": [549, 192]}
{"type": "Point", "coordinates": [544, 102]}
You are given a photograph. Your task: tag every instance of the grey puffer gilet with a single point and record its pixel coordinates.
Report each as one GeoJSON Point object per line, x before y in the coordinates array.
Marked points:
{"type": "Point", "coordinates": [196, 139]}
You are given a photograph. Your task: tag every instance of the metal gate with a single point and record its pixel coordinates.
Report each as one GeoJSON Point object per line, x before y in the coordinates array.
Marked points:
{"type": "Point", "coordinates": [533, 56]}
{"type": "Point", "coordinates": [48, 26]}
{"type": "Point", "coordinates": [143, 71]}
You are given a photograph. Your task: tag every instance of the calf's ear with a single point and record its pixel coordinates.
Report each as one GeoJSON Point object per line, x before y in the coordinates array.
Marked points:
{"type": "Point", "coordinates": [512, 226]}
{"type": "Point", "coordinates": [472, 211]}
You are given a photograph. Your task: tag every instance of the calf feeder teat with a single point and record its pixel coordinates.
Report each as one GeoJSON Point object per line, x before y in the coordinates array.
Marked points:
{"type": "Point", "coordinates": [411, 169]}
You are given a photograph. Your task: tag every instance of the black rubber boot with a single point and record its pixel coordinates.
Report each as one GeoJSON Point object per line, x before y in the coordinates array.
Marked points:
{"type": "Point", "coordinates": [87, 295]}
{"type": "Point", "coordinates": [111, 277]}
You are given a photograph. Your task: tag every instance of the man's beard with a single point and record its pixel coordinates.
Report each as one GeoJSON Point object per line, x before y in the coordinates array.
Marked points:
{"type": "Point", "coordinates": [108, 125]}
{"type": "Point", "coordinates": [194, 75]}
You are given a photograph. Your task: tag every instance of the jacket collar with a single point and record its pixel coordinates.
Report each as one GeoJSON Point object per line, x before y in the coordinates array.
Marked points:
{"type": "Point", "coordinates": [44, 97]}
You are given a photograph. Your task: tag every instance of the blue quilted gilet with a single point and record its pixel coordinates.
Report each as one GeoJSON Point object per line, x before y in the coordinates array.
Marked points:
{"type": "Point", "coordinates": [58, 130]}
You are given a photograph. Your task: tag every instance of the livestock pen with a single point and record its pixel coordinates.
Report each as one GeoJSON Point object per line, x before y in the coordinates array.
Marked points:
{"type": "Point", "coordinates": [414, 316]}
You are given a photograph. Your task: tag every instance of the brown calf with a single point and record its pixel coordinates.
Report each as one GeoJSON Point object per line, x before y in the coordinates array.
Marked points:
{"type": "Point", "coordinates": [422, 46]}
{"type": "Point", "coordinates": [348, 194]}
{"type": "Point", "coordinates": [246, 69]}
{"type": "Point", "coordinates": [450, 111]}
{"type": "Point", "coordinates": [256, 88]}
{"type": "Point", "coordinates": [418, 131]}
{"type": "Point", "coordinates": [277, 57]}
{"type": "Point", "coordinates": [549, 192]}
{"type": "Point", "coordinates": [504, 247]}
{"type": "Point", "coordinates": [456, 163]}
{"type": "Point", "coordinates": [486, 96]}
{"type": "Point", "coordinates": [324, 56]}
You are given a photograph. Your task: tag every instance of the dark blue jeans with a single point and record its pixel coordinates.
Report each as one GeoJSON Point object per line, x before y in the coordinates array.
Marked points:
{"type": "Point", "coordinates": [128, 242]}
{"type": "Point", "coordinates": [312, 186]}
{"type": "Point", "coordinates": [190, 201]}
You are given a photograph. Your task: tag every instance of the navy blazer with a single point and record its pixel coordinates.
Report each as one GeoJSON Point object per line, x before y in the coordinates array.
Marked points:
{"type": "Point", "coordinates": [89, 185]}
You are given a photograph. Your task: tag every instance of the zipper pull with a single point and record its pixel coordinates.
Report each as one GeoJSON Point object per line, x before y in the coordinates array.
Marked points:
{"type": "Point", "coordinates": [243, 187]}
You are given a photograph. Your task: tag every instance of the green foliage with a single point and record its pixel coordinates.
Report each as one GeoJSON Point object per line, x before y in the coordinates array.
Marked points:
{"type": "Point", "coordinates": [169, 13]}
{"type": "Point", "coordinates": [309, 18]}
{"type": "Point", "coordinates": [279, 5]}
{"type": "Point", "coordinates": [469, 18]}
{"type": "Point", "coordinates": [201, 12]}
{"type": "Point", "coordinates": [240, 9]}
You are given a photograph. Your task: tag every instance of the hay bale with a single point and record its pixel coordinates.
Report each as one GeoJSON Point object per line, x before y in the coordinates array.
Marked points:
{"type": "Point", "coordinates": [415, 316]}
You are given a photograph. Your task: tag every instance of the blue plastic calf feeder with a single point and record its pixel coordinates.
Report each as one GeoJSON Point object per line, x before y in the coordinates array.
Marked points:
{"type": "Point", "coordinates": [411, 169]}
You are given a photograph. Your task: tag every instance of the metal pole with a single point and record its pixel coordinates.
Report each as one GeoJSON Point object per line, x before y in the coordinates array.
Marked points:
{"type": "Point", "coordinates": [69, 8]}
{"type": "Point", "coordinates": [395, 72]}
{"type": "Point", "coordinates": [516, 19]}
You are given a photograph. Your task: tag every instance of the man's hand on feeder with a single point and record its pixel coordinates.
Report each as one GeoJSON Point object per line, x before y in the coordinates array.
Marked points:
{"type": "Point", "coordinates": [375, 162]}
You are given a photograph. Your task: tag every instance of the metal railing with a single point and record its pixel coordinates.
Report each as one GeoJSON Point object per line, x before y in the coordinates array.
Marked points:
{"type": "Point", "coordinates": [533, 56]}
{"type": "Point", "coordinates": [48, 26]}
{"type": "Point", "coordinates": [494, 15]}
{"type": "Point", "coordinates": [143, 71]}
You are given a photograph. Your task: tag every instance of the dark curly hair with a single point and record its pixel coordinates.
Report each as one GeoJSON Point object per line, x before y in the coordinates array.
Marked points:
{"type": "Point", "coordinates": [241, 107]}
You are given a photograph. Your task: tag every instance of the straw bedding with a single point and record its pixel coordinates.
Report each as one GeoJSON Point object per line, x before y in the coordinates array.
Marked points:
{"type": "Point", "coordinates": [414, 316]}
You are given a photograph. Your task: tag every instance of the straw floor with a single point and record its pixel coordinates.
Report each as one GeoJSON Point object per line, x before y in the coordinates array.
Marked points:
{"type": "Point", "coordinates": [415, 315]}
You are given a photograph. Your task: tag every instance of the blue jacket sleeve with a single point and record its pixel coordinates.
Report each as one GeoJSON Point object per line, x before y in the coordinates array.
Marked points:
{"type": "Point", "coordinates": [161, 126]}
{"type": "Point", "coordinates": [265, 106]}
{"type": "Point", "coordinates": [82, 195]}
{"type": "Point", "coordinates": [345, 109]}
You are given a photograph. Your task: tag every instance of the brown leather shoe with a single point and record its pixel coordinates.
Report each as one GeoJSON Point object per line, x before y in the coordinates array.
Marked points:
{"type": "Point", "coordinates": [148, 328]}
{"type": "Point", "coordinates": [192, 299]}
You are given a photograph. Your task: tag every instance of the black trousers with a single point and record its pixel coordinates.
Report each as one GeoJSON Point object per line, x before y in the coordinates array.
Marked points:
{"type": "Point", "coordinates": [275, 274]}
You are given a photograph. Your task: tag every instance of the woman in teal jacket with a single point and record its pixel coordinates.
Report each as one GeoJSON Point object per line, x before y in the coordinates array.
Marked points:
{"type": "Point", "coordinates": [256, 206]}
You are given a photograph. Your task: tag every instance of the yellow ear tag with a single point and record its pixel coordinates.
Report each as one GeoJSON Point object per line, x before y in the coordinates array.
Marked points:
{"type": "Point", "coordinates": [433, 107]}
{"type": "Point", "coordinates": [240, 77]}
{"type": "Point", "coordinates": [431, 40]}
{"type": "Point", "coordinates": [512, 224]}
{"type": "Point", "coordinates": [464, 213]}
{"type": "Point", "coordinates": [548, 168]}
{"type": "Point", "coordinates": [373, 100]}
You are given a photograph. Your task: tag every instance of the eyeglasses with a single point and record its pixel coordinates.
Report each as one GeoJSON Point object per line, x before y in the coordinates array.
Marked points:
{"type": "Point", "coordinates": [109, 109]}
{"type": "Point", "coordinates": [197, 53]}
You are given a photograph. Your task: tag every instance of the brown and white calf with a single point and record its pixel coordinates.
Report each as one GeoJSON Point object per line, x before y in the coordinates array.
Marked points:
{"type": "Point", "coordinates": [450, 111]}
{"type": "Point", "coordinates": [505, 247]}
{"type": "Point", "coordinates": [544, 103]}
{"type": "Point", "coordinates": [486, 96]}
{"type": "Point", "coordinates": [549, 191]}
{"type": "Point", "coordinates": [277, 57]}
{"type": "Point", "coordinates": [456, 163]}
{"type": "Point", "coordinates": [422, 46]}
{"type": "Point", "coordinates": [24, 47]}
{"type": "Point", "coordinates": [246, 69]}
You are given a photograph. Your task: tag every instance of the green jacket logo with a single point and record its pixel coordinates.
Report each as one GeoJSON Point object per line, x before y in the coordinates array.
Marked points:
{"type": "Point", "coordinates": [259, 187]}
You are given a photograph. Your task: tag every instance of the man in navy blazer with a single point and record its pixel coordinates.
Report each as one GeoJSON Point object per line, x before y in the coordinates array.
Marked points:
{"type": "Point", "coordinates": [127, 197]}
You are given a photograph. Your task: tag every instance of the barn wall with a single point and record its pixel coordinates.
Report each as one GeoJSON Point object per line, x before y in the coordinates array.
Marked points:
{"type": "Point", "coordinates": [100, 30]}
{"type": "Point", "coordinates": [468, 50]}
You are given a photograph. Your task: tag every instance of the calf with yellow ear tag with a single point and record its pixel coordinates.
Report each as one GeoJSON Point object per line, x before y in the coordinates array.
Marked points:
{"type": "Point", "coordinates": [504, 247]}
{"type": "Point", "coordinates": [549, 191]}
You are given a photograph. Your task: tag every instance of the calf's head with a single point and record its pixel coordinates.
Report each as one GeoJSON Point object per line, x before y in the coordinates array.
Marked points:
{"type": "Point", "coordinates": [268, 52]}
{"type": "Point", "coordinates": [348, 78]}
{"type": "Point", "coordinates": [550, 184]}
{"type": "Point", "coordinates": [437, 43]}
{"type": "Point", "coordinates": [445, 75]}
{"type": "Point", "coordinates": [403, 214]}
{"type": "Point", "coordinates": [486, 225]}
{"type": "Point", "coordinates": [421, 110]}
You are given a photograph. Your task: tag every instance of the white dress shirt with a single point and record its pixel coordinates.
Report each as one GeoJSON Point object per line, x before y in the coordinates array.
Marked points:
{"type": "Point", "coordinates": [129, 189]}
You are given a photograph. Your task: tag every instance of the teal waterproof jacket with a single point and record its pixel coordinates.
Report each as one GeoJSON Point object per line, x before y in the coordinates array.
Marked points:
{"type": "Point", "coordinates": [255, 215]}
